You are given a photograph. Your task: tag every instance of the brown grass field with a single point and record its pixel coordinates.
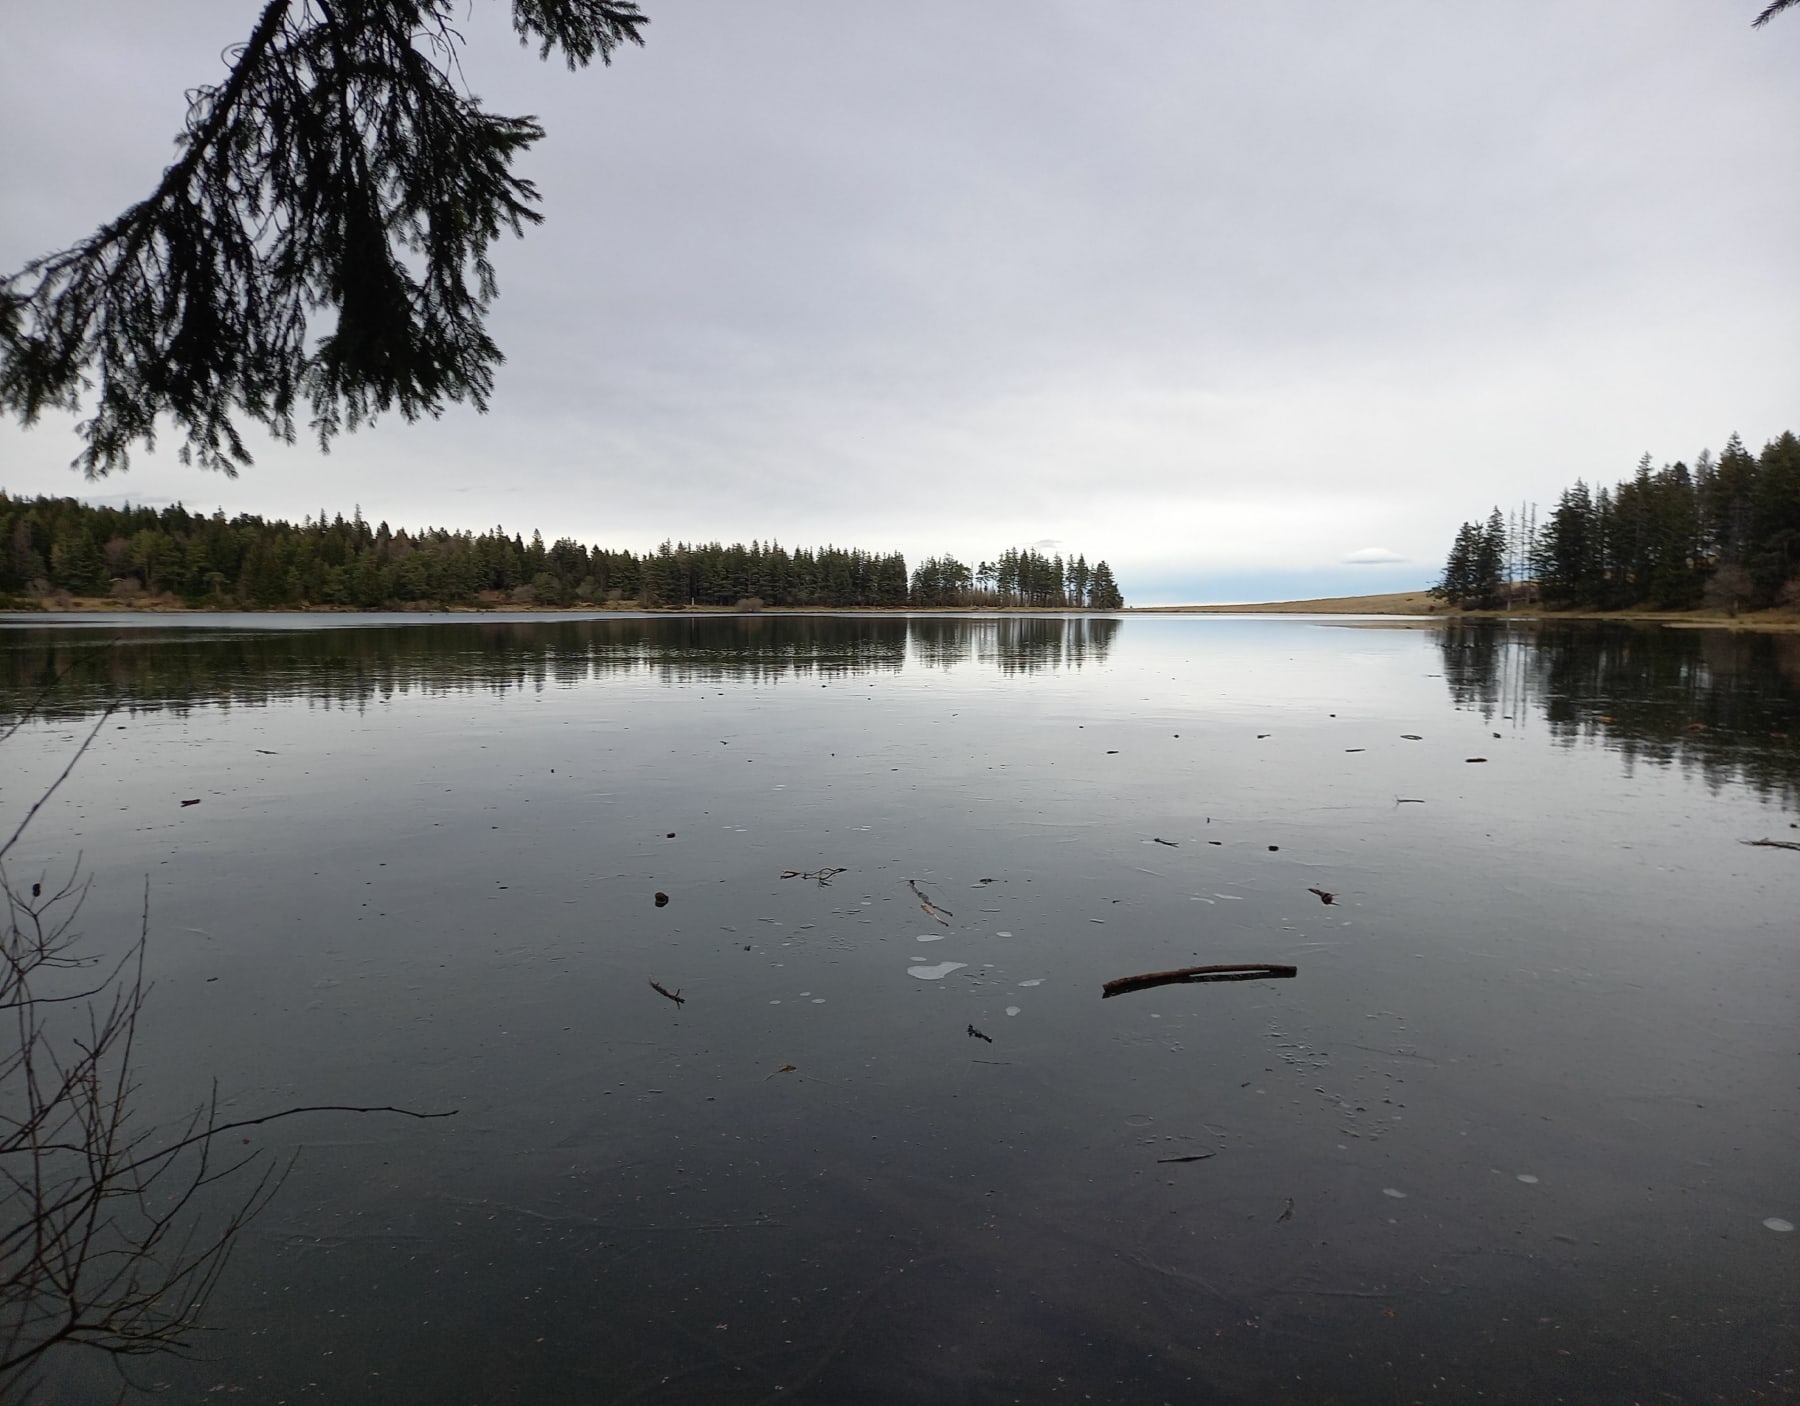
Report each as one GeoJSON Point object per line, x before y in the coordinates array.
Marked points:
{"type": "Point", "coordinates": [1398, 603]}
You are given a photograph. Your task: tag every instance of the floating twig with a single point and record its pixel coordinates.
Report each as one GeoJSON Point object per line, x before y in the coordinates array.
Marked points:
{"type": "Point", "coordinates": [975, 1034]}
{"type": "Point", "coordinates": [824, 876]}
{"type": "Point", "coordinates": [1771, 844]}
{"type": "Point", "coordinates": [1158, 840]}
{"type": "Point", "coordinates": [1287, 1211]}
{"type": "Point", "coordinates": [674, 995]}
{"type": "Point", "coordinates": [1324, 897]}
{"type": "Point", "coordinates": [942, 915]}
{"type": "Point", "coordinates": [1228, 971]}
{"type": "Point", "coordinates": [1192, 1157]}
{"type": "Point", "coordinates": [1409, 800]}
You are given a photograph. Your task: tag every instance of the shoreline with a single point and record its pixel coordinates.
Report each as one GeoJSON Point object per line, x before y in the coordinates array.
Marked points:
{"type": "Point", "coordinates": [1403, 609]}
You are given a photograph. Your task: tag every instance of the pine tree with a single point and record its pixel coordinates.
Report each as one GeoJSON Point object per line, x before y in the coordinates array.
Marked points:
{"type": "Point", "coordinates": [341, 167]}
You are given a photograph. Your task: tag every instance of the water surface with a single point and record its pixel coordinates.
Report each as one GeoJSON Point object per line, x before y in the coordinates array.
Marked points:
{"type": "Point", "coordinates": [1514, 1129]}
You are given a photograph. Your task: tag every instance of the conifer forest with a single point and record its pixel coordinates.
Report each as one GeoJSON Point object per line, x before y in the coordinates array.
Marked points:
{"type": "Point", "coordinates": [51, 546]}
{"type": "Point", "coordinates": [1723, 533]}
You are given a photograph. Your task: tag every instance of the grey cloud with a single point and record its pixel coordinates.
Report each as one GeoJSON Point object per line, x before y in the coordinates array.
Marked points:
{"type": "Point", "coordinates": [1195, 288]}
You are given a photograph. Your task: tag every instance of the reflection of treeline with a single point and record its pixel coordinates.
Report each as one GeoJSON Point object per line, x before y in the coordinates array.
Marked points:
{"type": "Point", "coordinates": [1724, 533]}
{"type": "Point", "coordinates": [77, 671]}
{"type": "Point", "coordinates": [1725, 702]}
{"type": "Point", "coordinates": [59, 544]}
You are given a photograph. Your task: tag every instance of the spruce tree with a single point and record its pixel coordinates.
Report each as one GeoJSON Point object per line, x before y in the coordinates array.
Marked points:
{"type": "Point", "coordinates": [341, 168]}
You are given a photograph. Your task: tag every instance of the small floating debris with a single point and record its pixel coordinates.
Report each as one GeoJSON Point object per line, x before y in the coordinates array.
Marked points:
{"type": "Point", "coordinates": [937, 914]}
{"type": "Point", "coordinates": [1158, 840]}
{"type": "Point", "coordinates": [1527, 1178]}
{"type": "Point", "coordinates": [1411, 737]}
{"type": "Point", "coordinates": [1759, 844]}
{"type": "Point", "coordinates": [1013, 1010]}
{"type": "Point", "coordinates": [1227, 971]}
{"type": "Point", "coordinates": [1474, 759]}
{"type": "Point", "coordinates": [662, 899]}
{"type": "Point", "coordinates": [931, 937]}
{"type": "Point", "coordinates": [1191, 1157]}
{"type": "Point", "coordinates": [194, 802]}
{"type": "Point", "coordinates": [1409, 800]}
{"type": "Point", "coordinates": [975, 1034]}
{"type": "Point", "coordinates": [662, 990]}
{"type": "Point", "coordinates": [935, 972]}
{"type": "Point", "coordinates": [1778, 1224]}
{"type": "Point", "coordinates": [824, 876]}
{"type": "Point", "coordinates": [1327, 898]}
{"type": "Point", "coordinates": [1287, 1211]}
{"type": "Point", "coordinates": [1390, 1191]}
{"type": "Point", "coordinates": [1356, 749]}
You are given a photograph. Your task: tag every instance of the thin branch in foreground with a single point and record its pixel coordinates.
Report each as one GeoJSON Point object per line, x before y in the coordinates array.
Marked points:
{"type": "Point", "coordinates": [38, 805]}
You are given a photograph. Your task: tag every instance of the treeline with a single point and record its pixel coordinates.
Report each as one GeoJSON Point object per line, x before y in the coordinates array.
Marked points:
{"type": "Point", "coordinates": [51, 545]}
{"type": "Point", "coordinates": [1724, 533]}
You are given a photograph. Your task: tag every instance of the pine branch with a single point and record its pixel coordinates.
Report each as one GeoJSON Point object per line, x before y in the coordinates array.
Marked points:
{"type": "Point", "coordinates": [338, 169]}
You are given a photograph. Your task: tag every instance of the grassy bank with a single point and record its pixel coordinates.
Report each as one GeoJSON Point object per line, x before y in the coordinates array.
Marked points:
{"type": "Point", "coordinates": [1418, 603]}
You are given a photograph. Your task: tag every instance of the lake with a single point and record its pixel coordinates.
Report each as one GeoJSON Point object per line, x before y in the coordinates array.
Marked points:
{"type": "Point", "coordinates": [1522, 1127]}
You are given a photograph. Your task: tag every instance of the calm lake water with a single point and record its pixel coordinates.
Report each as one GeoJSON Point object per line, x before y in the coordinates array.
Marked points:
{"type": "Point", "coordinates": [1523, 1127]}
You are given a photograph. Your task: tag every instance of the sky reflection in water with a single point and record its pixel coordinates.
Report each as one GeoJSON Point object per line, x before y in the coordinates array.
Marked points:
{"type": "Point", "coordinates": [1521, 1124]}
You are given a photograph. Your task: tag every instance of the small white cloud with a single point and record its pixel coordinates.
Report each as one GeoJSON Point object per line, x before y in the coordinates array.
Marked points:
{"type": "Point", "coordinates": [1047, 544]}
{"type": "Point", "coordinates": [1372, 556]}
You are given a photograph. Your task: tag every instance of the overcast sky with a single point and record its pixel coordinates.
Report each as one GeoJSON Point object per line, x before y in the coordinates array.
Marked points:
{"type": "Point", "coordinates": [1255, 300]}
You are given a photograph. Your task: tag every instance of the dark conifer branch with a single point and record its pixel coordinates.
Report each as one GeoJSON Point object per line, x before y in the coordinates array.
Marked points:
{"type": "Point", "coordinates": [338, 168]}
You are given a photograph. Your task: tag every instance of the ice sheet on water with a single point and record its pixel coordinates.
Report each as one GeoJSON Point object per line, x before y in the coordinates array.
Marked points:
{"type": "Point", "coordinates": [936, 971]}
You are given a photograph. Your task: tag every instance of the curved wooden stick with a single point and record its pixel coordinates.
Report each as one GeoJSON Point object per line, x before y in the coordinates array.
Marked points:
{"type": "Point", "coordinates": [1227, 971]}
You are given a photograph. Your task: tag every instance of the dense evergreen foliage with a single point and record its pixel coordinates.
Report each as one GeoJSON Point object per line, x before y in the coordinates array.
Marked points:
{"type": "Point", "coordinates": [1723, 533]}
{"type": "Point", "coordinates": [319, 250]}
{"type": "Point", "coordinates": [50, 545]}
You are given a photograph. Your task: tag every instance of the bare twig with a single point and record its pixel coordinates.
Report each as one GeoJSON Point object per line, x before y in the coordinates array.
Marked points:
{"type": "Point", "coordinates": [51, 790]}
{"type": "Point", "coordinates": [1229, 971]}
{"type": "Point", "coordinates": [1771, 844]}
{"type": "Point", "coordinates": [824, 876]}
{"type": "Point", "coordinates": [674, 995]}
{"type": "Point", "coordinates": [941, 915]}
